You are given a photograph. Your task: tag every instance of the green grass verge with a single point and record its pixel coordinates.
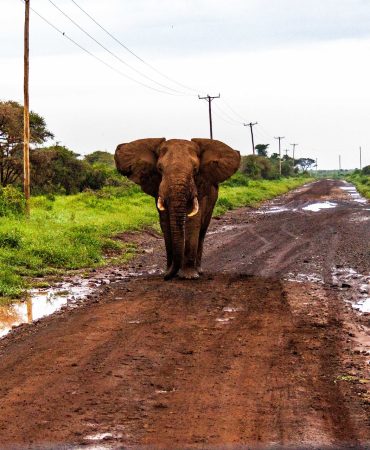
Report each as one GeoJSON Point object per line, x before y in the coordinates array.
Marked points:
{"type": "Point", "coordinates": [74, 232]}
{"type": "Point", "coordinates": [362, 183]}
{"type": "Point", "coordinates": [232, 195]}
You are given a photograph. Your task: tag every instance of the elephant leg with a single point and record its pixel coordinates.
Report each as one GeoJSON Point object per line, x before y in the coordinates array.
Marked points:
{"type": "Point", "coordinates": [208, 205]}
{"type": "Point", "coordinates": [165, 227]}
{"type": "Point", "coordinates": [189, 268]}
{"type": "Point", "coordinates": [202, 235]}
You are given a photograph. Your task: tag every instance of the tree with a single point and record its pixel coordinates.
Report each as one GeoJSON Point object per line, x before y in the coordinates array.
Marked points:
{"type": "Point", "coordinates": [257, 167]}
{"type": "Point", "coordinates": [57, 169]}
{"type": "Point", "coordinates": [262, 149]}
{"type": "Point", "coordinates": [305, 163]}
{"type": "Point", "coordinates": [287, 169]}
{"type": "Point", "coordinates": [11, 139]}
{"type": "Point", "coordinates": [100, 157]}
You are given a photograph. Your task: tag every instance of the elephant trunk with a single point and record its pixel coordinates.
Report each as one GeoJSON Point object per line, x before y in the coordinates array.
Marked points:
{"type": "Point", "coordinates": [177, 215]}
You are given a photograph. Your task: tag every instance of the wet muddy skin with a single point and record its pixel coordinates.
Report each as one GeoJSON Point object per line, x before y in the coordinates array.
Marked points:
{"type": "Point", "coordinates": [265, 350]}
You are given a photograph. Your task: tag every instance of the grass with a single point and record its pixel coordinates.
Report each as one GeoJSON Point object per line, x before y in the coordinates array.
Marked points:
{"type": "Point", "coordinates": [232, 195]}
{"type": "Point", "coordinates": [362, 183]}
{"type": "Point", "coordinates": [74, 232]}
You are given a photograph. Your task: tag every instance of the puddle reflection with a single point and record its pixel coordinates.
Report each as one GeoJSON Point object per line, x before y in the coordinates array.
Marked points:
{"type": "Point", "coordinates": [41, 303]}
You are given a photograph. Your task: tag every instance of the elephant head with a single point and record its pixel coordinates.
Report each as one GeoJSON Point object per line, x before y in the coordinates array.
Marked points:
{"type": "Point", "coordinates": [174, 172]}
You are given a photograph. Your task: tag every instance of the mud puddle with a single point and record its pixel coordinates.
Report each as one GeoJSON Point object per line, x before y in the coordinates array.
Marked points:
{"type": "Point", "coordinates": [42, 302]}
{"type": "Point", "coordinates": [315, 206]}
{"type": "Point", "coordinates": [353, 193]}
{"type": "Point", "coordinates": [354, 286]}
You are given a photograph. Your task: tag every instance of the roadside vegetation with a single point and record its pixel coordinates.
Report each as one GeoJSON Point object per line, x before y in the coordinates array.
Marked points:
{"type": "Point", "coordinates": [79, 205]}
{"type": "Point", "coordinates": [76, 231]}
{"type": "Point", "coordinates": [361, 179]}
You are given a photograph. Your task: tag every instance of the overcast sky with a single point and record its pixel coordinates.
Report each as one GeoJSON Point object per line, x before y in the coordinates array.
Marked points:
{"type": "Point", "coordinates": [301, 69]}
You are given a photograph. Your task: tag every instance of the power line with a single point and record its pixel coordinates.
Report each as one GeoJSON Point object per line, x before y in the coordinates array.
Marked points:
{"type": "Point", "coordinates": [132, 52]}
{"type": "Point", "coordinates": [97, 57]}
{"type": "Point", "coordinates": [233, 110]}
{"type": "Point", "coordinates": [218, 113]}
{"type": "Point", "coordinates": [112, 53]}
{"type": "Point", "coordinates": [230, 119]}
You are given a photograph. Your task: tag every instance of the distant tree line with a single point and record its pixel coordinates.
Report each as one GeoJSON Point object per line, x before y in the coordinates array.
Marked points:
{"type": "Point", "coordinates": [56, 169]}
{"type": "Point", "coordinates": [264, 166]}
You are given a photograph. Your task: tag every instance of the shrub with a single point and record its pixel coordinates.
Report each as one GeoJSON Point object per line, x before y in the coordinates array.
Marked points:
{"type": "Point", "coordinates": [257, 167]}
{"type": "Point", "coordinates": [366, 170]}
{"type": "Point", "coordinates": [12, 201]}
{"type": "Point", "coordinates": [10, 239]}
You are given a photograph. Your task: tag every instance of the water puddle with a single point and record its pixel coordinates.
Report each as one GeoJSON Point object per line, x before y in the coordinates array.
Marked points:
{"type": "Point", "coordinates": [224, 319]}
{"type": "Point", "coordinates": [44, 302]}
{"type": "Point", "coordinates": [354, 194]}
{"type": "Point", "coordinates": [274, 210]}
{"type": "Point", "coordinates": [355, 287]}
{"type": "Point", "coordinates": [316, 207]}
{"type": "Point", "coordinates": [165, 391]}
{"type": "Point", "coordinates": [224, 229]}
{"type": "Point", "coordinates": [41, 303]}
{"type": "Point", "coordinates": [103, 436]}
{"type": "Point", "coordinates": [304, 278]}
{"type": "Point", "coordinates": [231, 309]}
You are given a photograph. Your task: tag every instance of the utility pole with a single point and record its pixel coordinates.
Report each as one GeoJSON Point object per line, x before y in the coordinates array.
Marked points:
{"type": "Point", "coordinates": [360, 159]}
{"type": "Point", "coordinates": [280, 138]}
{"type": "Point", "coordinates": [26, 114]}
{"type": "Point", "coordinates": [251, 125]}
{"type": "Point", "coordinates": [294, 146]}
{"type": "Point", "coordinates": [209, 100]}
{"type": "Point", "coordinates": [286, 152]}
{"type": "Point", "coordinates": [340, 164]}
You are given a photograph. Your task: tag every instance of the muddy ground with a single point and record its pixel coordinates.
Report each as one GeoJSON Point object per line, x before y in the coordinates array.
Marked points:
{"type": "Point", "coordinates": [264, 351]}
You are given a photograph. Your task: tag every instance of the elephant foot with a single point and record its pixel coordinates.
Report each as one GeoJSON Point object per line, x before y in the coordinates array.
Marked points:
{"type": "Point", "coordinates": [200, 270]}
{"type": "Point", "coordinates": [188, 273]}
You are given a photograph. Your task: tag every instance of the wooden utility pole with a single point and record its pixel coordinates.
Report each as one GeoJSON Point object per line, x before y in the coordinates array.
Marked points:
{"type": "Point", "coordinates": [294, 146]}
{"type": "Point", "coordinates": [280, 138]}
{"type": "Point", "coordinates": [26, 114]}
{"type": "Point", "coordinates": [209, 100]}
{"type": "Point", "coordinates": [251, 125]}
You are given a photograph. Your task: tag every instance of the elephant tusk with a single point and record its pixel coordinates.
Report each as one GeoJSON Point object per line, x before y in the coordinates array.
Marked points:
{"type": "Point", "coordinates": [160, 204]}
{"type": "Point", "coordinates": [195, 208]}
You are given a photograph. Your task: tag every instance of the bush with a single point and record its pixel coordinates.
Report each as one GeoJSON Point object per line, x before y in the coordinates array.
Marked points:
{"type": "Point", "coordinates": [238, 179]}
{"type": "Point", "coordinates": [12, 201]}
{"type": "Point", "coordinates": [257, 167]}
{"type": "Point", "coordinates": [366, 170]}
{"type": "Point", "coordinates": [10, 239]}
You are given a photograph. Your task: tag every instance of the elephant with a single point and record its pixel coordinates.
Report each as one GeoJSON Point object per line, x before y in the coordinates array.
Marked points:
{"type": "Point", "coordinates": [183, 177]}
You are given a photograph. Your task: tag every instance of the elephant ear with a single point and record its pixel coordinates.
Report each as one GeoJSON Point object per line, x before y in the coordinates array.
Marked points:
{"type": "Point", "coordinates": [218, 161]}
{"type": "Point", "coordinates": [137, 160]}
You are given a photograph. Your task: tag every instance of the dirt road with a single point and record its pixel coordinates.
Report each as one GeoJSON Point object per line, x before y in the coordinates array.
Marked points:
{"type": "Point", "coordinates": [264, 351]}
